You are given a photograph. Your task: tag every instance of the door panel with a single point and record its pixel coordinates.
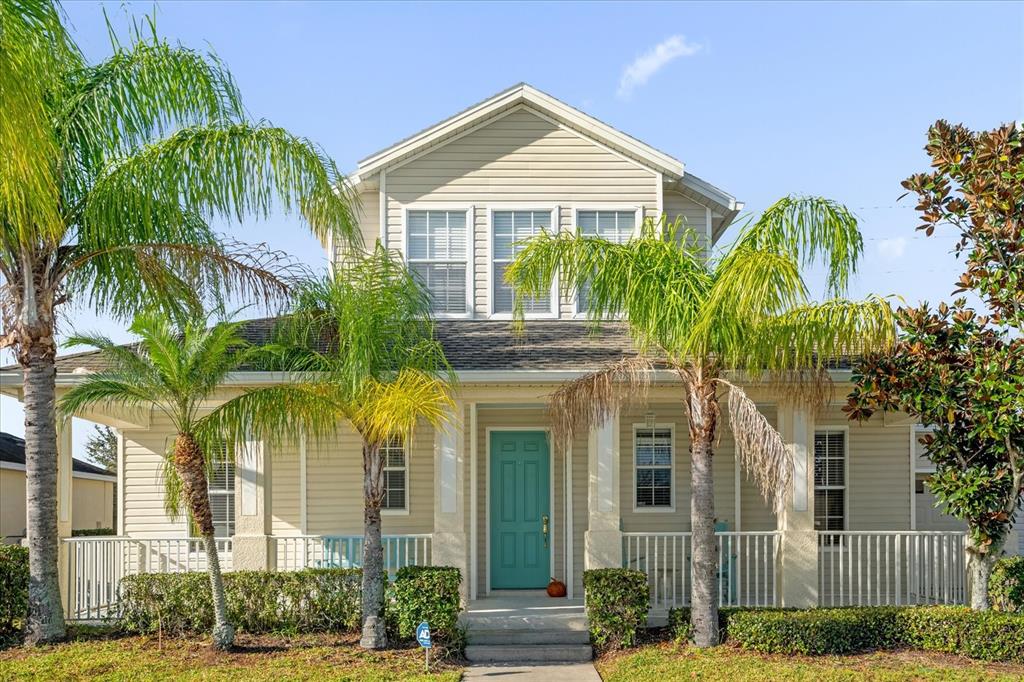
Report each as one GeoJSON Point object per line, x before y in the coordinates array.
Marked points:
{"type": "Point", "coordinates": [520, 500]}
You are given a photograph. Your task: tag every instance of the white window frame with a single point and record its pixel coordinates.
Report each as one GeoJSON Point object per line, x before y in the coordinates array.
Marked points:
{"type": "Point", "coordinates": [556, 227]}
{"type": "Point", "coordinates": [404, 511]}
{"type": "Point", "coordinates": [845, 430]}
{"type": "Point", "coordinates": [440, 208]}
{"type": "Point", "coordinates": [671, 508]}
{"type": "Point", "coordinates": [577, 313]}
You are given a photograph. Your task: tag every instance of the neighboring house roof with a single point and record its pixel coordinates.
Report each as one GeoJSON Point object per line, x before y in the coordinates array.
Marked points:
{"type": "Point", "coordinates": [672, 170]}
{"type": "Point", "coordinates": [12, 452]}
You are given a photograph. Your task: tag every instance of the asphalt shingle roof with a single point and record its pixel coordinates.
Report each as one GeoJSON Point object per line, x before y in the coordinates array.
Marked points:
{"type": "Point", "coordinates": [477, 345]}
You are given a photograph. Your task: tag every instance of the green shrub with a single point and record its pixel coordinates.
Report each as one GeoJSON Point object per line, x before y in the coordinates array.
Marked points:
{"type": "Point", "coordinates": [617, 601]}
{"type": "Point", "coordinates": [816, 631]}
{"type": "Point", "coordinates": [90, 532]}
{"type": "Point", "coordinates": [431, 594]}
{"type": "Point", "coordinates": [682, 630]}
{"type": "Point", "coordinates": [1006, 585]}
{"type": "Point", "coordinates": [313, 600]}
{"type": "Point", "coordinates": [13, 591]}
{"type": "Point", "coordinates": [987, 635]}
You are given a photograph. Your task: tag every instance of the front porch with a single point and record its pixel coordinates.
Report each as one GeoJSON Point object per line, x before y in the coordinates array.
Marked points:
{"type": "Point", "coordinates": [492, 496]}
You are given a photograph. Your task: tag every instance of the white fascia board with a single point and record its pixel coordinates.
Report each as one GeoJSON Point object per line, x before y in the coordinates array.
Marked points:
{"type": "Point", "coordinates": [15, 466]}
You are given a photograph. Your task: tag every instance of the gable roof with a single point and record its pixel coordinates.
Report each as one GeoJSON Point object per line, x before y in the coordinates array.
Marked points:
{"type": "Point", "coordinates": [673, 170]}
{"type": "Point", "coordinates": [12, 451]}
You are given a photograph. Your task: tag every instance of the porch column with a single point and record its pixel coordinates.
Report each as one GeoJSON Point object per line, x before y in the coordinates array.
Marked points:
{"type": "Point", "coordinates": [252, 545]}
{"type": "Point", "coordinates": [449, 546]}
{"type": "Point", "coordinates": [65, 495]}
{"type": "Point", "coordinates": [603, 540]}
{"type": "Point", "coordinates": [796, 570]}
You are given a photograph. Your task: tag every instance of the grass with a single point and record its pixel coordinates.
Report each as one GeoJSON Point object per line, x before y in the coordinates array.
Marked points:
{"type": "Point", "coordinates": [665, 661]}
{"type": "Point", "coordinates": [93, 655]}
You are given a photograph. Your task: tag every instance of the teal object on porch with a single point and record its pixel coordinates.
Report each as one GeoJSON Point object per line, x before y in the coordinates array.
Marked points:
{"type": "Point", "coordinates": [520, 470]}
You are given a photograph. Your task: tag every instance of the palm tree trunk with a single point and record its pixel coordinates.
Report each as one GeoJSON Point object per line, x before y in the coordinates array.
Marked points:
{"type": "Point", "coordinates": [704, 597]}
{"type": "Point", "coordinates": [188, 460]}
{"type": "Point", "coordinates": [45, 617]}
{"type": "Point", "coordinates": [374, 630]}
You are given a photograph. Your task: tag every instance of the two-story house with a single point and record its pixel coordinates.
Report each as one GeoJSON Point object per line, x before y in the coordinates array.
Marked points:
{"type": "Point", "coordinates": [490, 494]}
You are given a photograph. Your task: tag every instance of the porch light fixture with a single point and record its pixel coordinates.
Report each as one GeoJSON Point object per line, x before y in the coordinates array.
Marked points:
{"type": "Point", "coordinates": [649, 420]}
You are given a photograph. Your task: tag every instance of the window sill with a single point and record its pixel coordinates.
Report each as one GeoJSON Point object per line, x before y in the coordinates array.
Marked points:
{"type": "Point", "coordinates": [394, 512]}
{"type": "Point", "coordinates": [654, 510]}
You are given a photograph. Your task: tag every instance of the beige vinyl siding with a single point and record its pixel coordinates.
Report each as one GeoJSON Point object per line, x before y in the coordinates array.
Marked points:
{"type": "Point", "coordinates": [878, 484]}
{"type": "Point", "coordinates": [518, 158]}
{"type": "Point", "coordinates": [692, 214]}
{"type": "Point", "coordinates": [144, 513]}
{"type": "Point", "coordinates": [284, 503]}
{"type": "Point", "coordinates": [754, 513]}
{"type": "Point", "coordinates": [12, 505]}
{"type": "Point", "coordinates": [334, 486]}
{"type": "Point", "coordinates": [368, 215]}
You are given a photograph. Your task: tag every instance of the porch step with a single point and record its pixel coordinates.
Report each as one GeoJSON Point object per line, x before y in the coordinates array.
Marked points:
{"type": "Point", "coordinates": [528, 653]}
{"type": "Point", "coordinates": [516, 636]}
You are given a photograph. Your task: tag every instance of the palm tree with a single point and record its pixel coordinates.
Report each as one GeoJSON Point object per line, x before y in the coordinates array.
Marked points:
{"type": "Point", "coordinates": [365, 338]}
{"type": "Point", "coordinates": [175, 370]}
{"type": "Point", "coordinates": [745, 310]}
{"type": "Point", "coordinates": [109, 176]}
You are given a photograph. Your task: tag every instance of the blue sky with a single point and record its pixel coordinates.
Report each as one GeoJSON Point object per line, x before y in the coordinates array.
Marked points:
{"type": "Point", "coordinates": [761, 99]}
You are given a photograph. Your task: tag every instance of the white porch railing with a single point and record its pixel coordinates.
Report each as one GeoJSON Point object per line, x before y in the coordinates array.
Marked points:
{"type": "Point", "coordinates": [891, 568]}
{"type": "Point", "coordinates": [746, 566]}
{"type": "Point", "coordinates": [346, 551]}
{"type": "Point", "coordinates": [96, 566]}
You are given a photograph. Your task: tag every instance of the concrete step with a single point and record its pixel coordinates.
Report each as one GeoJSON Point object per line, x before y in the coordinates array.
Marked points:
{"type": "Point", "coordinates": [526, 636]}
{"type": "Point", "coordinates": [532, 653]}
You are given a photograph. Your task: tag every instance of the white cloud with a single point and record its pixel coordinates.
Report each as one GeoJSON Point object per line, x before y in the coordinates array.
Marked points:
{"type": "Point", "coordinates": [892, 249]}
{"type": "Point", "coordinates": [649, 63]}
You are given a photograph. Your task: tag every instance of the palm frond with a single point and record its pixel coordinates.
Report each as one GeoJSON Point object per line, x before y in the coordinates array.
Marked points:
{"type": "Point", "coordinates": [391, 409]}
{"type": "Point", "coordinates": [581, 404]}
{"type": "Point", "coordinates": [759, 448]}
{"type": "Point", "coordinates": [231, 170]}
{"type": "Point", "coordinates": [145, 90]}
{"type": "Point", "coordinates": [810, 230]}
{"type": "Point", "coordinates": [35, 51]}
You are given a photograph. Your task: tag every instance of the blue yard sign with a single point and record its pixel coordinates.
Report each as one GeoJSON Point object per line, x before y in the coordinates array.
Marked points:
{"type": "Point", "coordinates": [423, 637]}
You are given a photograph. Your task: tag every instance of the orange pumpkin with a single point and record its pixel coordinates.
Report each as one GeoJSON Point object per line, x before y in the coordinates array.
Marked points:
{"type": "Point", "coordinates": [556, 588]}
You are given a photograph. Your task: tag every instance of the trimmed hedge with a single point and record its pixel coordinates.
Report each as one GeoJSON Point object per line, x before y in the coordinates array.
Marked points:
{"type": "Point", "coordinates": [1006, 585]}
{"type": "Point", "coordinates": [427, 593]}
{"type": "Point", "coordinates": [617, 601]}
{"type": "Point", "coordinates": [313, 600]}
{"type": "Point", "coordinates": [92, 532]}
{"type": "Point", "coordinates": [817, 631]}
{"type": "Point", "coordinates": [13, 591]}
{"type": "Point", "coordinates": [986, 635]}
{"type": "Point", "coordinates": [990, 635]}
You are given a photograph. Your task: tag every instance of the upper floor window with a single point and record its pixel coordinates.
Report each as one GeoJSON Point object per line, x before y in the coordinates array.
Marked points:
{"type": "Point", "coordinates": [510, 227]}
{"type": "Point", "coordinates": [395, 476]}
{"type": "Point", "coordinates": [653, 455]}
{"type": "Point", "coordinates": [615, 226]}
{"type": "Point", "coordinates": [221, 486]}
{"type": "Point", "coordinates": [437, 256]}
{"type": "Point", "coordinates": [830, 480]}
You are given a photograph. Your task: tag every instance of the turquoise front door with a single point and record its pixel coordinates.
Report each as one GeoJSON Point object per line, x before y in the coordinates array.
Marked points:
{"type": "Point", "coordinates": [520, 510]}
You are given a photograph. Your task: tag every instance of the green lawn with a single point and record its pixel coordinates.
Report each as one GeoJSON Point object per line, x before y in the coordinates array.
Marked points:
{"type": "Point", "coordinates": [664, 662]}
{"type": "Point", "coordinates": [321, 657]}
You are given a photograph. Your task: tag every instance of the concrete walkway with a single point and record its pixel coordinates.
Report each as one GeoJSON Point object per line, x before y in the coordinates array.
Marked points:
{"type": "Point", "coordinates": [545, 672]}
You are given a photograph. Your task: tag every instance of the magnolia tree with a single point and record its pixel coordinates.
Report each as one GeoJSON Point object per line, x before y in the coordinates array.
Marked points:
{"type": "Point", "coordinates": [959, 371]}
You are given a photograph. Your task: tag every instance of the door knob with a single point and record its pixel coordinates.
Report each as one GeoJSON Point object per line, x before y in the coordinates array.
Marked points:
{"type": "Point", "coordinates": [544, 528]}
